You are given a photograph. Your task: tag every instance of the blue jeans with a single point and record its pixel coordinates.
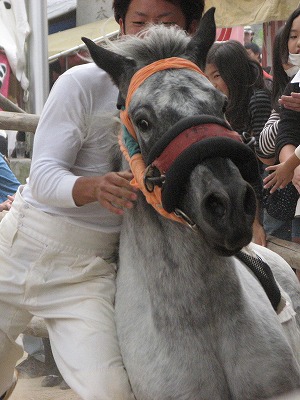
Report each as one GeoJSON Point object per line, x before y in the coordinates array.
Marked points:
{"type": "Point", "coordinates": [278, 228]}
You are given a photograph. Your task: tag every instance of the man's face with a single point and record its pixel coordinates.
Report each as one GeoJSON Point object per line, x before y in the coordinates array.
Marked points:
{"type": "Point", "coordinates": [143, 12]}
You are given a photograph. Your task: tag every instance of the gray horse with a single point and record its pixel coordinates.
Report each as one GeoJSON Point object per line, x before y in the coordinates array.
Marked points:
{"type": "Point", "coordinates": [194, 321]}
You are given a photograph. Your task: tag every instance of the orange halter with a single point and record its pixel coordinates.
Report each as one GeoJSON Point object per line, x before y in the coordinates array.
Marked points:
{"type": "Point", "coordinates": [136, 162]}
{"type": "Point", "coordinates": [141, 75]}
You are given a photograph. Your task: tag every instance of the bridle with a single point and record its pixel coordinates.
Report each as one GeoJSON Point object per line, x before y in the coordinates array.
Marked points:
{"type": "Point", "coordinates": [186, 144]}
{"type": "Point", "coordinates": [144, 178]}
{"type": "Point", "coordinates": [189, 134]}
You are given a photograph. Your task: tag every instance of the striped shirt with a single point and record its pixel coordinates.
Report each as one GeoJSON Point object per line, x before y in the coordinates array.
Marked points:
{"type": "Point", "coordinates": [259, 112]}
{"type": "Point", "coordinates": [266, 144]}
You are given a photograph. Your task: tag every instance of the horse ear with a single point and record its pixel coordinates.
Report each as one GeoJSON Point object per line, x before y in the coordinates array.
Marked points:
{"type": "Point", "coordinates": [202, 41]}
{"type": "Point", "coordinates": [120, 68]}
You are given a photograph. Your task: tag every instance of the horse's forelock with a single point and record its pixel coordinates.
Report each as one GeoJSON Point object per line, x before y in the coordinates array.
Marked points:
{"type": "Point", "coordinates": [152, 44]}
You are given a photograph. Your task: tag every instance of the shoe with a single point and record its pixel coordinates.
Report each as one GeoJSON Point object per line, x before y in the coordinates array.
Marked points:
{"type": "Point", "coordinates": [7, 394]}
{"type": "Point", "coordinates": [31, 368]}
{"type": "Point", "coordinates": [51, 380]}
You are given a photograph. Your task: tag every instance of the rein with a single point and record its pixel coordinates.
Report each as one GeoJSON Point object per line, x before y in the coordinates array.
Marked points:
{"type": "Point", "coordinates": [265, 276]}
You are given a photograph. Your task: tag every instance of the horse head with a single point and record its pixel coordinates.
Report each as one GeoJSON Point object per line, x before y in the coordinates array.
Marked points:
{"type": "Point", "coordinates": [170, 104]}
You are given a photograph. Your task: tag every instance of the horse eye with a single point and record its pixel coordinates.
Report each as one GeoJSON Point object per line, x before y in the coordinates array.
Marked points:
{"type": "Point", "coordinates": [143, 125]}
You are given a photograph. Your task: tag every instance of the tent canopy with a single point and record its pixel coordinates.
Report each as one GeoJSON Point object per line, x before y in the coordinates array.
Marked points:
{"type": "Point", "coordinates": [229, 13]}
{"type": "Point", "coordinates": [65, 42]}
{"type": "Point", "coordinates": [246, 12]}
{"type": "Point", "coordinates": [56, 8]}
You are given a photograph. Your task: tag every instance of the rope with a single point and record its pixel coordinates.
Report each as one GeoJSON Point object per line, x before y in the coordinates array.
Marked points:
{"type": "Point", "coordinates": [265, 276]}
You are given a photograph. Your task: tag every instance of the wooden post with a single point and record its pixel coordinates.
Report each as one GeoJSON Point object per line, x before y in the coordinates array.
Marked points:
{"type": "Point", "coordinates": [8, 105]}
{"type": "Point", "coordinates": [15, 121]}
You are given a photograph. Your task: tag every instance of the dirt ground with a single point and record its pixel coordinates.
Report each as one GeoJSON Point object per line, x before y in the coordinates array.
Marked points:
{"type": "Point", "coordinates": [31, 389]}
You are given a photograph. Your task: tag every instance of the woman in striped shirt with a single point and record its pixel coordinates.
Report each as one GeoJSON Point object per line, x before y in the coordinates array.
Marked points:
{"type": "Point", "coordinates": [283, 70]}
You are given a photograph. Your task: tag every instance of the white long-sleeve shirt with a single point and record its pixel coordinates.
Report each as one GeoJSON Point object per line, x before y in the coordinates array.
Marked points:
{"type": "Point", "coordinates": [74, 139]}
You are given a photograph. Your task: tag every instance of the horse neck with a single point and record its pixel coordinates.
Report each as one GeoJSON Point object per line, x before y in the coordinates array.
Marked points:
{"type": "Point", "coordinates": [170, 246]}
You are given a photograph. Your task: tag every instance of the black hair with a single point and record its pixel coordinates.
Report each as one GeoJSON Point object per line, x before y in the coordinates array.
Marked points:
{"type": "Point", "coordinates": [242, 76]}
{"type": "Point", "coordinates": [286, 34]}
{"type": "Point", "coordinates": [280, 78]}
{"type": "Point", "coordinates": [254, 47]}
{"type": "Point", "coordinates": [3, 146]}
{"type": "Point", "coordinates": [192, 9]}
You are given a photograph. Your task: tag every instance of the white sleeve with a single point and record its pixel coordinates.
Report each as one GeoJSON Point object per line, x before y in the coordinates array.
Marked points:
{"type": "Point", "coordinates": [58, 139]}
{"type": "Point", "coordinates": [267, 137]}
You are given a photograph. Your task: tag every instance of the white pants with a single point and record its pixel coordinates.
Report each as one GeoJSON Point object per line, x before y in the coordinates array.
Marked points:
{"type": "Point", "coordinates": [66, 275]}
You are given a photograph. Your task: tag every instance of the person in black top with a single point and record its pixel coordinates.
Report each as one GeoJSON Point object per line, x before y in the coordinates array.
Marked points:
{"type": "Point", "coordinates": [231, 70]}
{"type": "Point", "coordinates": [288, 137]}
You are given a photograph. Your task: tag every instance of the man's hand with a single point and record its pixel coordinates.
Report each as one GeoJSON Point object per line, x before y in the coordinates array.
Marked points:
{"type": "Point", "coordinates": [112, 190]}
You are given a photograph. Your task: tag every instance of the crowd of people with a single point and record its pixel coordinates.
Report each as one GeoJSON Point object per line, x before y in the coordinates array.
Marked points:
{"type": "Point", "coordinates": [59, 240]}
{"type": "Point", "coordinates": [278, 139]}
{"type": "Point", "coordinates": [61, 233]}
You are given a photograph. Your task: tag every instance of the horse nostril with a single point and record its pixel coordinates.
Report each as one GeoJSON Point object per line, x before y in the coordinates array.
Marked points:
{"type": "Point", "coordinates": [215, 205]}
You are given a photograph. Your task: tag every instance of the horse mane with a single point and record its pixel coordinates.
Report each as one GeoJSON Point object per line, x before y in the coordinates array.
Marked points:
{"type": "Point", "coordinates": [152, 44]}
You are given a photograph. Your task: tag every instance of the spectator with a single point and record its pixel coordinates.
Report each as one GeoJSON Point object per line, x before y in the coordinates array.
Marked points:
{"type": "Point", "coordinates": [266, 149]}
{"type": "Point", "coordinates": [285, 49]}
{"type": "Point", "coordinates": [254, 52]}
{"type": "Point", "coordinates": [248, 34]}
{"type": "Point", "coordinates": [288, 137]}
{"type": "Point", "coordinates": [8, 182]}
{"type": "Point", "coordinates": [232, 71]}
{"type": "Point", "coordinates": [3, 143]}
{"type": "Point", "coordinates": [20, 137]}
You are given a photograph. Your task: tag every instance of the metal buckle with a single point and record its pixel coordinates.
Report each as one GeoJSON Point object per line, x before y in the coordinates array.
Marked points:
{"type": "Point", "coordinates": [152, 178]}
{"type": "Point", "coordinates": [187, 219]}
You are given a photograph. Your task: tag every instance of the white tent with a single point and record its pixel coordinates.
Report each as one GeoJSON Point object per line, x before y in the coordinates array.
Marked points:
{"type": "Point", "coordinates": [66, 42]}
{"type": "Point", "coordinates": [14, 27]}
{"type": "Point", "coordinates": [246, 12]}
{"type": "Point", "coordinates": [55, 8]}
{"type": "Point", "coordinates": [14, 30]}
